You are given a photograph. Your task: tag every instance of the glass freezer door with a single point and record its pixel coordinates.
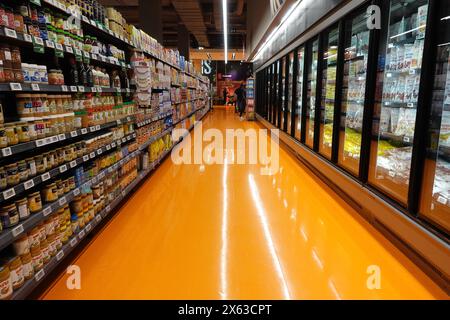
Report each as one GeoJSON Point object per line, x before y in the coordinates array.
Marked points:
{"type": "Point", "coordinates": [398, 81]}
{"type": "Point", "coordinates": [290, 83]}
{"type": "Point", "coordinates": [328, 92]}
{"type": "Point", "coordinates": [311, 98]}
{"type": "Point", "coordinates": [435, 201]}
{"type": "Point", "coordinates": [298, 108]}
{"type": "Point", "coordinates": [282, 93]}
{"type": "Point", "coordinates": [353, 92]}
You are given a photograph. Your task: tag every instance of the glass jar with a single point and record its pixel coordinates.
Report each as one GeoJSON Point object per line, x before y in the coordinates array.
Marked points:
{"type": "Point", "coordinates": [3, 179]}
{"type": "Point", "coordinates": [12, 174]}
{"type": "Point", "coordinates": [15, 58]}
{"type": "Point", "coordinates": [2, 72]}
{"type": "Point", "coordinates": [40, 165]}
{"type": "Point", "coordinates": [22, 132]}
{"type": "Point", "coordinates": [16, 270]}
{"type": "Point", "coordinates": [24, 106]}
{"type": "Point", "coordinates": [50, 193]}
{"type": "Point", "coordinates": [22, 169]}
{"type": "Point", "coordinates": [31, 165]}
{"type": "Point", "coordinates": [11, 134]}
{"type": "Point", "coordinates": [28, 271]}
{"type": "Point", "coordinates": [9, 216]}
{"type": "Point", "coordinates": [34, 202]}
{"type": "Point", "coordinates": [3, 137]}
{"type": "Point", "coordinates": [36, 258]}
{"type": "Point", "coordinates": [5, 282]}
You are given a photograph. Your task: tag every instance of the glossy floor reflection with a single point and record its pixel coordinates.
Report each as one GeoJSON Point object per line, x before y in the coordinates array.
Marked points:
{"type": "Point", "coordinates": [225, 231]}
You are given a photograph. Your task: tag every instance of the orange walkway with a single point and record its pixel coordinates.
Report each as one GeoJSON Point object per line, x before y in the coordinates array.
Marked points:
{"type": "Point", "coordinates": [228, 232]}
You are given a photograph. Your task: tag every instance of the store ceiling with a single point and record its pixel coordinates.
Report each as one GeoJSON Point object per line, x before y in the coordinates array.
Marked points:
{"type": "Point", "coordinates": [206, 32]}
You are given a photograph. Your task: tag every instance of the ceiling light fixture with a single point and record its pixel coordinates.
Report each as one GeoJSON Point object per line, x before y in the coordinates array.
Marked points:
{"type": "Point", "coordinates": [225, 28]}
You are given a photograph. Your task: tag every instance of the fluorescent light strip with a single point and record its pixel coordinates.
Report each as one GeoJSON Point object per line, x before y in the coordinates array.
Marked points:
{"type": "Point", "coordinates": [446, 18]}
{"type": "Point", "coordinates": [225, 28]}
{"type": "Point", "coordinates": [409, 31]}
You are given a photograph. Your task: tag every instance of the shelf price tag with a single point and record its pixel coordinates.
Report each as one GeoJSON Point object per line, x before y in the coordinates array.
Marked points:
{"type": "Point", "coordinates": [76, 192]}
{"type": "Point", "coordinates": [73, 134]}
{"type": "Point", "coordinates": [59, 50]}
{"type": "Point", "coordinates": [45, 176]}
{"type": "Point", "coordinates": [99, 151]}
{"type": "Point", "coordinates": [85, 158]}
{"type": "Point", "coordinates": [98, 218]}
{"type": "Point", "coordinates": [63, 168]}
{"type": "Point", "coordinates": [85, 19]}
{"type": "Point", "coordinates": [94, 89]}
{"type": "Point", "coordinates": [39, 275]}
{"type": "Point", "coordinates": [92, 155]}
{"type": "Point", "coordinates": [69, 49]}
{"type": "Point", "coordinates": [73, 163]}
{"type": "Point", "coordinates": [84, 131]}
{"type": "Point", "coordinates": [78, 56]}
{"type": "Point", "coordinates": [97, 127]}
{"type": "Point", "coordinates": [6, 152]}
{"type": "Point", "coordinates": [27, 38]}
{"type": "Point", "coordinates": [64, 88]}
{"type": "Point", "coordinates": [108, 147]}
{"type": "Point", "coordinates": [29, 184]}
{"type": "Point", "coordinates": [73, 242]}
{"type": "Point", "coordinates": [92, 129]}
{"type": "Point", "coordinates": [15, 86]}
{"type": "Point", "coordinates": [80, 88]}
{"type": "Point", "coordinates": [10, 33]}
{"type": "Point", "coordinates": [99, 89]}
{"type": "Point", "coordinates": [73, 88]}
{"type": "Point", "coordinates": [60, 255]}
{"type": "Point", "coordinates": [61, 137]}
{"type": "Point", "coordinates": [88, 227]}
{"type": "Point", "coordinates": [50, 44]}
{"type": "Point", "coordinates": [35, 87]}
{"type": "Point", "coordinates": [9, 193]}
{"type": "Point", "coordinates": [81, 234]}
{"type": "Point", "coordinates": [47, 211]}
{"type": "Point", "coordinates": [62, 201]}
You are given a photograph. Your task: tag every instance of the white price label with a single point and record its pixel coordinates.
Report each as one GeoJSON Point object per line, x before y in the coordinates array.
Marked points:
{"type": "Point", "coordinates": [15, 86]}
{"type": "Point", "coordinates": [94, 89]}
{"type": "Point", "coordinates": [99, 151]}
{"type": "Point", "coordinates": [110, 32]}
{"type": "Point", "coordinates": [63, 168]}
{"type": "Point", "coordinates": [113, 144]}
{"type": "Point", "coordinates": [62, 201]}
{"type": "Point", "coordinates": [101, 175]}
{"type": "Point", "coordinates": [45, 176]}
{"type": "Point", "coordinates": [85, 19]}
{"type": "Point", "coordinates": [99, 89]}
{"type": "Point", "coordinates": [64, 88]}
{"type": "Point", "coordinates": [108, 208]}
{"type": "Point", "coordinates": [48, 140]}
{"type": "Point", "coordinates": [124, 193]}
{"type": "Point", "coordinates": [119, 122]}
{"type": "Point", "coordinates": [108, 147]}
{"type": "Point", "coordinates": [124, 140]}
{"type": "Point", "coordinates": [73, 163]}
{"type": "Point", "coordinates": [92, 129]}
{"type": "Point", "coordinates": [80, 88]}
{"type": "Point", "coordinates": [39, 275]}
{"type": "Point", "coordinates": [73, 242]}
{"type": "Point", "coordinates": [110, 170]}
{"type": "Point", "coordinates": [59, 47]}
{"type": "Point", "coordinates": [84, 130]}
{"type": "Point", "coordinates": [9, 193]}
{"type": "Point", "coordinates": [98, 218]}
{"type": "Point", "coordinates": [92, 155]}
{"type": "Point", "coordinates": [38, 41]}
{"type": "Point", "coordinates": [69, 49]}
{"type": "Point", "coordinates": [97, 127]}
{"type": "Point", "coordinates": [88, 227]}
{"type": "Point", "coordinates": [28, 184]}
{"type": "Point", "coordinates": [73, 88]}
{"type": "Point", "coordinates": [6, 152]}
{"type": "Point", "coordinates": [73, 134]}
{"type": "Point", "coordinates": [94, 56]}
{"type": "Point", "coordinates": [76, 192]}
{"type": "Point", "coordinates": [35, 87]}
{"type": "Point", "coordinates": [47, 211]}
{"type": "Point", "coordinates": [77, 52]}
{"type": "Point", "coordinates": [50, 44]}
{"type": "Point", "coordinates": [85, 158]}
{"type": "Point", "coordinates": [17, 230]}
{"type": "Point", "coordinates": [392, 174]}
{"type": "Point", "coordinates": [27, 37]}
{"type": "Point", "coordinates": [81, 234]}
{"type": "Point", "coordinates": [442, 200]}
{"type": "Point", "coordinates": [94, 180]}
{"type": "Point", "coordinates": [10, 33]}
{"type": "Point", "coordinates": [60, 255]}
{"type": "Point", "coordinates": [406, 139]}
{"type": "Point", "coordinates": [86, 54]}
{"type": "Point", "coordinates": [61, 137]}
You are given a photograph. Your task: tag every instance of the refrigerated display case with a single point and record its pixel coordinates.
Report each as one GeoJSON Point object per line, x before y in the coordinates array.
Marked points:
{"type": "Point", "coordinates": [435, 199]}
{"type": "Point", "coordinates": [298, 107]}
{"type": "Point", "coordinates": [290, 91]}
{"type": "Point", "coordinates": [311, 94]}
{"type": "Point", "coordinates": [353, 91]}
{"type": "Point", "coordinates": [398, 80]}
{"type": "Point", "coordinates": [282, 113]}
{"type": "Point", "coordinates": [328, 96]}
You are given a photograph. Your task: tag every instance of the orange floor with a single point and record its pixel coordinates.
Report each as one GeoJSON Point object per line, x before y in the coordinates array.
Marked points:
{"type": "Point", "coordinates": [226, 232]}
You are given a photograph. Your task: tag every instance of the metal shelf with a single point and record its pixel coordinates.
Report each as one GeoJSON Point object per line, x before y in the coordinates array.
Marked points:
{"type": "Point", "coordinates": [27, 146]}
{"type": "Point", "coordinates": [36, 88]}
{"type": "Point", "coordinates": [154, 119]}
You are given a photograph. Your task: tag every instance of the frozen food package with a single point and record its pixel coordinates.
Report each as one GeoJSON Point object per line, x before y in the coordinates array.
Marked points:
{"type": "Point", "coordinates": [410, 86]}
{"type": "Point", "coordinates": [395, 115]}
{"type": "Point", "coordinates": [400, 94]}
{"type": "Point", "coordinates": [400, 57]}
{"type": "Point", "coordinates": [409, 53]}
{"type": "Point", "coordinates": [385, 117]}
{"type": "Point", "coordinates": [422, 21]}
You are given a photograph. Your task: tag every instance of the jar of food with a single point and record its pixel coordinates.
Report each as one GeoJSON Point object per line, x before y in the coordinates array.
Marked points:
{"type": "Point", "coordinates": [6, 288]}
{"type": "Point", "coordinates": [31, 165]}
{"type": "Point", "coordinates": [50, 193]}
{"type": "Point", "coordinates": [22, 208]}
{"type": "Point", "coordinates": [27, 264]}
{"type": "Point", "coordinates": [45, 251]}
{"type": "Point", "coordinates": [51, 239]}
{"type": "Point", "coordinates": [76, 205]}
{"type": "Point", "coordinates": [5, 56]}
{"type": "Point", "coordinates": [53, 77]}
{"type": "Point", "coordinates": [34, 237]}
{"type": "Point", "coordinates": [11, 134]}
{"type": "Point", "coordinates": [16, 272]}
{"type": "Point", "coordinates": [18, 21]}
{"type": "Point", "coordinates": [39, 126]}
{"type": "Point", "coordinates": [72, 184]}
{"type": "Point", "coordinates": [24, 106]}
{"type": "Point", "coordinates": [37, 105]}
{"type": "Point", "coordinates": [22, 169]}
{"type": "Point", "coordinates": [40, 165]}
{"type": "Point", "coordinates": [3, 137]}
{"type": "Point", "coordinates": [22, 132]}
{"type": "Point", "coordinates": [36, 258]}
{"type": "Point", "coordinates": [42, 234]}
{"type": "Point", "coordinates": [66, 186]}
{"type": "Point", "coordinates": [61, 155]}
{"type": "Point", "coordinates": [12, 174]}
{"type": "Point", "coordinates": [2, 72]}
{"type": "Point", "coordinates": [3, 179]}
{"type": "Point", "coordinates": [9, 74]}
{"type": "Point", "coordinates": [32, 131]}
{"type": "Point", "coordinates": [34, 202]}
{"type": "Point", "coordinates": [59, 188]}
{"type": "Point", "coordinates": [9, 216]}
{"type": "Point", "coordinates": [21, 246]}
{"type": "Point", "coordinates": [15, 58]}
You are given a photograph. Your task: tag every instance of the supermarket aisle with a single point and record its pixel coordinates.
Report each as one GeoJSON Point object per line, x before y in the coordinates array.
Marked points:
{"type": "Point", "coordinates": [228, 232]}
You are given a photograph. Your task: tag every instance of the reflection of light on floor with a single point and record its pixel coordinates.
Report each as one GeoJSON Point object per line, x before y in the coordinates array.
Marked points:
{"type": "Point", "coordinates": [317, 259]}
{"type": "Point", "coordinates": [202, 168]}
{"type": "Point", "coordinates": [334, 289]}
{"type": "Point", "coordinates": [285, 203]}
{"type": "Point", "coordinates": [279, 192]}
{"type": "Point", "coordinates": [303, 233]}
{"type": "Point", "coordinates": [274, 181]}
{"type": "Point", "coordinates": [295, 189]}
{"type": "Point", "coordinates": [268, 236]}
{"type": "Point", "coordinates": [224, 248]}
{"type": "Point", "coordinates": [293, 214]}
{"type": "Point", "coordinates": [321, 221]}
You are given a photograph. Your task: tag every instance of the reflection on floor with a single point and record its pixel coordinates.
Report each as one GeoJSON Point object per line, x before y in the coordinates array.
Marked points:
{"type": "Point", "coordinates": [226, 231]}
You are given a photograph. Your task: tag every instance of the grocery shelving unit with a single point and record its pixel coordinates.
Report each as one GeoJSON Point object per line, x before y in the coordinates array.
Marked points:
{"type": "Point", "coordinates": [11, 153]}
